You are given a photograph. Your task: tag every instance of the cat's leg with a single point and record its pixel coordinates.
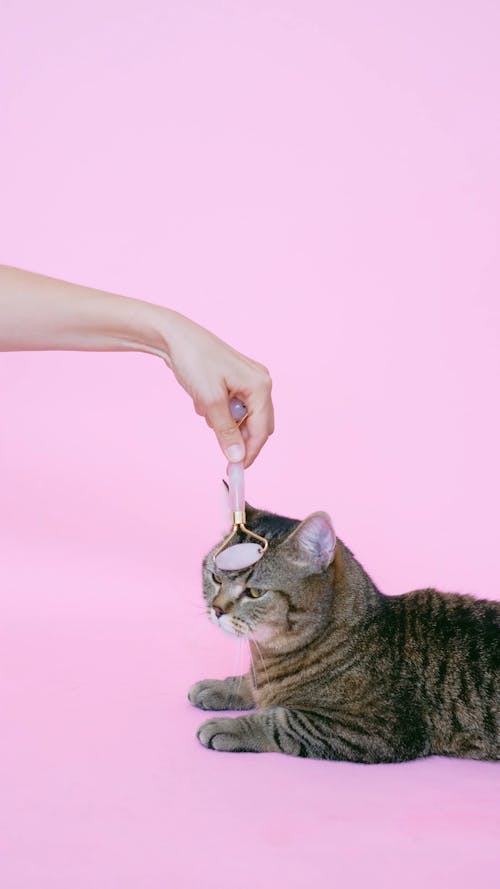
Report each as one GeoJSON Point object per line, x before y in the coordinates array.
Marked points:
{"type": "Point", "coordinates": [233, 693]}
{"type": "Point", "coordinates": [283, 730]}
{"type": "Point", "coordinates": [272, 730]}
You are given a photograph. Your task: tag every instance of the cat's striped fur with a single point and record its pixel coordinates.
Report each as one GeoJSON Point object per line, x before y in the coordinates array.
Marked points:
{"type": "Point", "coordinates": [341, 671]}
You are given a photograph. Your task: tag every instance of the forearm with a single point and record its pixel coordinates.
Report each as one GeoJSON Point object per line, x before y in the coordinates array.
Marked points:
{"type": "Point", "coordinates": [38, 313]}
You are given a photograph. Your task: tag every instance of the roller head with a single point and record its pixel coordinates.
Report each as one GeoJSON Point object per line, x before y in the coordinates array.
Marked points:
{"type": "Point", "coordinates": [239, 556]}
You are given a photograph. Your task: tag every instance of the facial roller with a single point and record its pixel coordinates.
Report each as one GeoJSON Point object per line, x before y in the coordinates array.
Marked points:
{"type": "Point", "coordinates": [239, 555]}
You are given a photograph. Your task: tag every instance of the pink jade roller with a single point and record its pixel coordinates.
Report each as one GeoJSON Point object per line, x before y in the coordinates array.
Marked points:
{"type": "Point", "coordinates": [240, 555]}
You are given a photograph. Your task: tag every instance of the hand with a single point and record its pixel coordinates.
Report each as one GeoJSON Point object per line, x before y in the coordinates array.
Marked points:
{"type": "Point", "coordinates": [212, 373]}
{"type": "Point", "coordinates": [37, 312]}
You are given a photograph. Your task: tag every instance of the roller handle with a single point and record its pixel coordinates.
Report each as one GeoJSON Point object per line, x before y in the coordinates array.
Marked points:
{"type": "Point", "coordinates": [235, 471]}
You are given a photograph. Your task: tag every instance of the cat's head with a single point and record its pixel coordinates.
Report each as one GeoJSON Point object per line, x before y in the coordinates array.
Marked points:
{"type": "Point", "coordinates": [286, 593]}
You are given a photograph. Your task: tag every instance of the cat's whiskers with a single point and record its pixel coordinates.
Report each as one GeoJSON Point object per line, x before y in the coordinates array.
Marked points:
{"type": "Point", "coordinates": [235, 692]}
{"type": "Point", "coordinates": [252, 666]}
{"type": "Point", "coordinates": [257, 648]}
{"type": "Point", "coordinates": [240, 626]}
{"type": "Point", "coordinates": [200, 607]}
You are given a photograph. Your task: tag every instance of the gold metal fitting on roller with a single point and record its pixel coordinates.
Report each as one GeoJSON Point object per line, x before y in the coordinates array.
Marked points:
{"type": "Point", "coordinates": [239, 519]}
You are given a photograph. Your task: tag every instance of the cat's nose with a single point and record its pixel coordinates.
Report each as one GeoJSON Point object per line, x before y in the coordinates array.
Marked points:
{"type": "Point", "coordinates": [218, 611]}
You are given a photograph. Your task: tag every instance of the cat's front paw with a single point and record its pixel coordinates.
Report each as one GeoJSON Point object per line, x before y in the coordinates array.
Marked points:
{"type": "Point", "coordinates": [224, 734]}
{"type": "Point", "coordinates": [209, 694]}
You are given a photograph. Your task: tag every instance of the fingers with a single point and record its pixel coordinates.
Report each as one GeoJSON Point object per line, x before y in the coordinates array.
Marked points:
{"type": "Point", "coordinates": [246, 442]}
{"type": "Point", "coordinates": [257, 428]}
{"type": "Point", "coordinates": [259, 424]}
{"type": "Point", "coordinates": [218, 417]}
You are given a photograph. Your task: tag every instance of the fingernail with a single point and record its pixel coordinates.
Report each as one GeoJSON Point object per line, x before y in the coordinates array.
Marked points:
{"type": "Point", "coordinates": [235, 453]}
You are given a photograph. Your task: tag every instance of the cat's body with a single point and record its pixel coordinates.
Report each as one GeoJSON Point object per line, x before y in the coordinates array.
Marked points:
{"type": "Point", "coordinates": [341, 671]}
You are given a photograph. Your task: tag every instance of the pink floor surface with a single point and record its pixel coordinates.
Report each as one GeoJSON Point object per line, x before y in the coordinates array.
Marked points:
{"type": "Point", "coordinates": [104, 784]}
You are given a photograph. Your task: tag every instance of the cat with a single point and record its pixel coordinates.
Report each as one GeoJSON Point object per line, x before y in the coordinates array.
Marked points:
{"type": "Point", "coordinates": [341, 671]}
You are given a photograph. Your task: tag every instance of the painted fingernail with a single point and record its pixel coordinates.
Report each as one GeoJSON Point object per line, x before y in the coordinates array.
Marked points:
{"type": "Point", "coordinates": [235, 453]}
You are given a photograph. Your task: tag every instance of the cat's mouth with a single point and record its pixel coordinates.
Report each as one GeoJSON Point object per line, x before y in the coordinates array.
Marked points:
{"type": "Point", "coordinates": [238, 628]}
{"type": "Point", "coordinates": [232, 626]}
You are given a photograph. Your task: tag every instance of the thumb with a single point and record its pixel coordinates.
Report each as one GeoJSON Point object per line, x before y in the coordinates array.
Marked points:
{"type": "Point", "coordinates": [228, 434]}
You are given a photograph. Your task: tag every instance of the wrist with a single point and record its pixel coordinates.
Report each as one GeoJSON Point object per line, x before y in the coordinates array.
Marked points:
{"type": "Point", "coordinates": [144, 327]}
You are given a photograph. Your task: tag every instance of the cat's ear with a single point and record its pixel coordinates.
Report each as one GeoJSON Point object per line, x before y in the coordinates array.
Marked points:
{"type": "Point", "coordinates": [312, 543]}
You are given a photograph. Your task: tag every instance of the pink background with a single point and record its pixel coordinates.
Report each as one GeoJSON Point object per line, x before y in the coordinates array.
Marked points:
{"type": "Point", "coordinates": [318, 183]}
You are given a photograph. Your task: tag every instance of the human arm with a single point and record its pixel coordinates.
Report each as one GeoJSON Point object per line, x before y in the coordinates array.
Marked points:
{"type": "Point", "coordinates": [40, 313]}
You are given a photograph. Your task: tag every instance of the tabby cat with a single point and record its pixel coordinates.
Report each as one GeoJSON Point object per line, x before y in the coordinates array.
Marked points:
{"type": "Point", "coordinates": [341, 671]}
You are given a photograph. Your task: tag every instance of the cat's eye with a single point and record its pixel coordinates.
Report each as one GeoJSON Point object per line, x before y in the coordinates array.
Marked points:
{"type": "Point", "coordinates": [253, 593]}
{"type": "Point", "coordinates": [216, 579]}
